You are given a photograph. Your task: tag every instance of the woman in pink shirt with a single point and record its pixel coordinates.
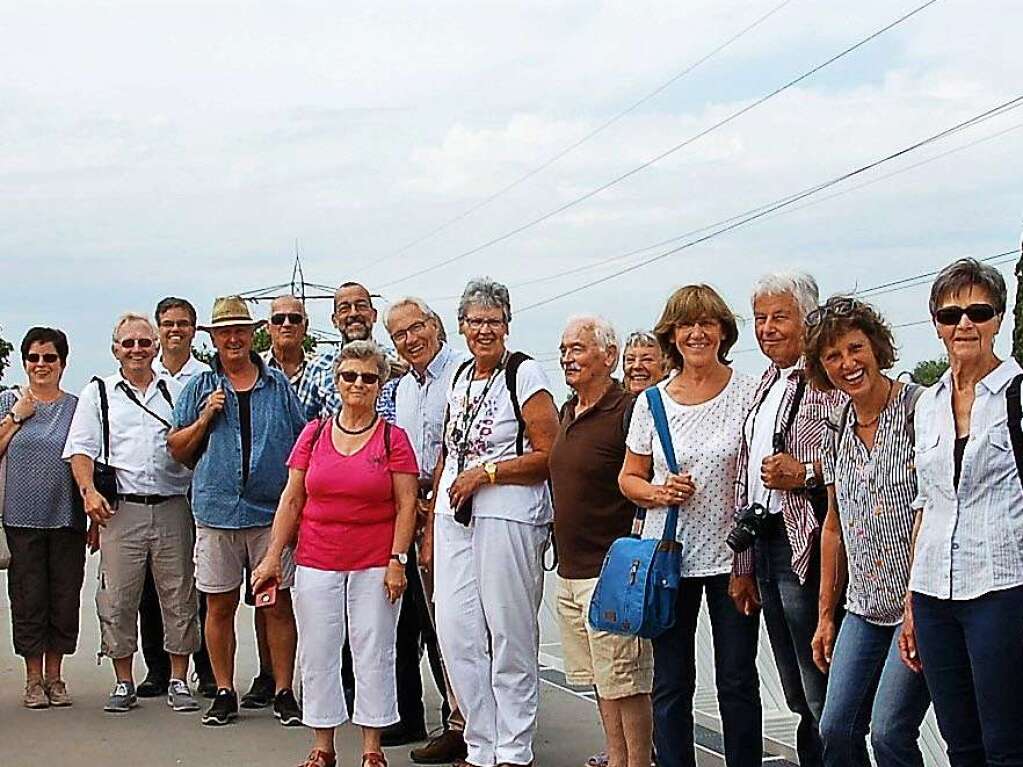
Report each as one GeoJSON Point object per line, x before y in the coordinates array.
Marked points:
{"type": "Point", "coordinates": [351, 497]}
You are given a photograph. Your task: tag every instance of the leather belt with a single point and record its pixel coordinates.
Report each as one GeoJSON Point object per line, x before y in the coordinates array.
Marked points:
{"type": "Point", "coordinates": [144, 500]}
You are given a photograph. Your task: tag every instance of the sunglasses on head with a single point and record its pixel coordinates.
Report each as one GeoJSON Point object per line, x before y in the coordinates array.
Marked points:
{"type": "Point", "coordinates": [951, 315]}
{"type": "Point", "coordinates": [129, 343]}
{"type": "Point", "coordinates": [293, 317]}
{"type": "Point", "coordinates": [351, 376]}
{"type": "Point", "coordinates": [50, 357]}
{"type": "Point", "coordinates": [835, 307]}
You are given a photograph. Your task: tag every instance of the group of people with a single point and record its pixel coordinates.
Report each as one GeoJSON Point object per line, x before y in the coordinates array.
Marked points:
{"type": "Point", "coordinates": [371, 502]}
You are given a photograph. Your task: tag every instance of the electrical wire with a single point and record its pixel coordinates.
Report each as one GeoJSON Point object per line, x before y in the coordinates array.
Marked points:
{"type": "Point", "coordinates": [618, 179]}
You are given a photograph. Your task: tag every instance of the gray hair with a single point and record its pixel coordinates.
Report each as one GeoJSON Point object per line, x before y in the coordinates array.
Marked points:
{"type": "Point", "coordinates": [289, 297]}
{"type": "Point", "coordinates": [419, 303]}
{"type": "Point", "coordinates": [641, 338]}
{"type": "Point", "coordinates": [364, 350]}
{"type": "Point", "coordinates": [800, 285]}
{"type": "Point", "coordinates": [964, 274]}
{"type": "Point", "coordinates": [485, 292]}
{"type": "Point", "coordinates": [127, 317]}
{"type": "Point", "coordinates": [603, 331]}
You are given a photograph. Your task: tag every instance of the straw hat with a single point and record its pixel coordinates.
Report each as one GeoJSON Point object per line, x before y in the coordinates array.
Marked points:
{"type": "Point", "coordinates": [229, 311]}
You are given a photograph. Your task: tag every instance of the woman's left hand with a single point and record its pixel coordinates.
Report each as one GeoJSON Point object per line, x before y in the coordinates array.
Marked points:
{"type": "Point", "coordinates": [394, 580]}
{"type": "Point", "coordinates": [465, 484]}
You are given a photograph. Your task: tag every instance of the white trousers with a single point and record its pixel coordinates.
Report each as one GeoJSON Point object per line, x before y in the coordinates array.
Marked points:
{"type": "Point", "coordinates": [328, 604]}
{"type": "Point", "coordinates": [488, 582]}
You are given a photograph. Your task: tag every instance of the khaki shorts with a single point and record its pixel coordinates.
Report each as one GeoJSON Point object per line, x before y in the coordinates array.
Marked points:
{"type": "Point", "coordinates": [222, 558]}
{"type": "Point", "coordinates": [618, 666]}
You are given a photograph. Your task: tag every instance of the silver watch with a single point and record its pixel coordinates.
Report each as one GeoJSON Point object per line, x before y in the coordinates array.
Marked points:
{"type": "Point", "coordinates": [810, 479]}
{"type": "Point", "coordinates": [401, 559]}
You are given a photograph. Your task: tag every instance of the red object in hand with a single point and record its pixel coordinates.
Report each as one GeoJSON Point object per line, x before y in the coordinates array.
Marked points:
{"type": "Point", "coordinates": [266, 595]}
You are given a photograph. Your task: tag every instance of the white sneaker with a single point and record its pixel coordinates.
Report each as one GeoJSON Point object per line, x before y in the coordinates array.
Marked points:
{"type": "Point", "coordinates": [179, 697]}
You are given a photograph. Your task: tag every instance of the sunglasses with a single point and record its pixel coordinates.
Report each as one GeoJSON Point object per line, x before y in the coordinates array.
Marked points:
{"type": "Point", "coordinates": [293, 317]}
{"type": "Point", "coordinates": [49, 358]}
{"type": "Point", "coordinates": [835, 307]}
{"type": "Point", "coordinates": [951, 315]}
{"type": "Point", "coordinates": [351, 376]}
{"type": "Point", "coordinates": [129, 343]}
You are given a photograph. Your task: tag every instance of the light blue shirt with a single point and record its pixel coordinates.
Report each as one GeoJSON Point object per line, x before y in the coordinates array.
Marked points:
{"type": "Point", "coordinates": [318, 394]}
{"type": "Point", "coordinates": [970, 540]}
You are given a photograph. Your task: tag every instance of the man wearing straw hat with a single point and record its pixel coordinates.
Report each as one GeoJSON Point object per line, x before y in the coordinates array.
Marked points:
{"type": "Point", "coordinates": [237, 424]}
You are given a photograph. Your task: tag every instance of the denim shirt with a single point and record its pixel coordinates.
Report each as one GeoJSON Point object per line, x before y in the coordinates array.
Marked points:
{"type": "Point", "coordinates": [219, 498]}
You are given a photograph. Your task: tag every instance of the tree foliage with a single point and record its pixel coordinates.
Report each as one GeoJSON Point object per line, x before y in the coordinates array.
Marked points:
{"type": "Point", "coordinates": [6, 347]}
{"type": "Point", "coordinates": [928, 372]}
{"type": "Point", "coordinates": [260, 343]}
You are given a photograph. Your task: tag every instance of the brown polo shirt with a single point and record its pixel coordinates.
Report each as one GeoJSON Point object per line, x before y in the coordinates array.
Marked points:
{"type": "Point", "coordinates": [589, 510]}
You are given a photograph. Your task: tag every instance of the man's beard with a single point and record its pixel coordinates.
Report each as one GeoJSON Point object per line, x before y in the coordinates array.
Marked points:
{"type": "Point", "coordinates": [355, 332]}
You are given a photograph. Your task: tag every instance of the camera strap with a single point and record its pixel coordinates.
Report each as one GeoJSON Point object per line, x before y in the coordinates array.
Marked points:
{"type": "Point", "coordinates": [653, 395]}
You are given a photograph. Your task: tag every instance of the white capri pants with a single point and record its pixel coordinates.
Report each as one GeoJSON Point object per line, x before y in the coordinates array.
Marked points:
{"type": "Point", "coordinates": [323, 602]}
{"type": "Point", "coordinates": [488, 582]}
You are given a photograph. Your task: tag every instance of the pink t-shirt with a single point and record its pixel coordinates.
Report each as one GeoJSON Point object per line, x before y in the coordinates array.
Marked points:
{"type": "Point", "coordinates": [348, 519]}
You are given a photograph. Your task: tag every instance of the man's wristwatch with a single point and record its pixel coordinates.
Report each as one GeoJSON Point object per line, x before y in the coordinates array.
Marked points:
{"type": "Point", "coordinates": [491, 469]}
{"type": "Point", "coordinates": [401, 559]}
{"type": "Point", "coordinates": [15, 420]}
{"type": "Point", "coordinates": [810, 480]}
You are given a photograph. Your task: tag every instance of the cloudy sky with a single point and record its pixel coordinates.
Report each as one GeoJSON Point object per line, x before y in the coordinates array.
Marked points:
{"type": "Point", "coordinates": [154, 148]}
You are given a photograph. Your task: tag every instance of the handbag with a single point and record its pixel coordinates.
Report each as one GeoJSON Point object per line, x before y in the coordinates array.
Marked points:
{"type": "Point", "coordinates": [104, 477]}
{"type": "Point", "coordinates": [638, 584]}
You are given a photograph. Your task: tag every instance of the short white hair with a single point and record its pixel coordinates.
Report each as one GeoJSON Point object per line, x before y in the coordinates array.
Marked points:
{"type": "Point", "coordinates": [603, 331]}
{"type": "Point", "coordinates": [800, 285]}
{"type": "Point", "coordinates": [127, 317]}
{"type": "Point", "coordinates": [415, 301]}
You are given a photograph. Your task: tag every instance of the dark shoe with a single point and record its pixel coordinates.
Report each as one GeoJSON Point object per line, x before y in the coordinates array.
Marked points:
{"type": "Point", "coordinates": [152, 687]}
{"type": "Point", "coordinates": [446, 748]}
{"type": "Point", "coordinates": [206, 686]}
{"type": "Point", "coordinates": [398, 734]}
{"type": "Point", "coordinates": [224, 709]}
{"type": "Point", "coordinates": [286, 709]}
{"type": "Point", "coordinates": [260, 694]}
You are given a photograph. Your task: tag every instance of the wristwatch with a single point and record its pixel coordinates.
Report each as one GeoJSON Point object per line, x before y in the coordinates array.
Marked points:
{"type": "Point", "coordinates": [810, 481]}
{"type": "Point", "coordinates": [491, 469]}
{"type": "Point", "coordinates": [15, 420]}
{"type": "Point", "coordinates": [401, 559]}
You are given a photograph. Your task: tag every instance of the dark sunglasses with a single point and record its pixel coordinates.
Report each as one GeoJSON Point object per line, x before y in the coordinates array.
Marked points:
{"type": "Point", "coordinates": [835, 307]}
{"type": "Point", "coordinates": [49, 358]}
{"type": "Point", "coordinates": [951, 315]}
{"type": "Point", "coordinates": [293, 318]}
{"type": "Point", "coordinates": [129, 343]}
{"type": "Point", "coordinates": [351, 376]}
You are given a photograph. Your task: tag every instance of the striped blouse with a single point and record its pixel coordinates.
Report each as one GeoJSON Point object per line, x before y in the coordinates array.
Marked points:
{"type": "Point", "coordinates": [875, 491]}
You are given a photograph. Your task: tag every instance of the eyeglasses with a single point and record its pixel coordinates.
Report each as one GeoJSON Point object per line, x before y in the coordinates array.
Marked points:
{"type": "Point", "coordinates": [951, 315]}
{"type": "Point", "coordinates": [478, 323]}
{"type": "Point", "coordinates": [351, 376]}
{"type": "Point", "coordinates": [359, 306]}
{"type": "Point", "coordinates": [293, 317]}
{"type": "Point", "coordinates": [129, 343]}
{"type": "Point", "coordinates": [415, 328]}
{"type": "Point", "coordinates": [835, 307]}
{"type": "Point", "coordinates": [171, 324]}
{"type": "Point", "coordinates": [49, 358]}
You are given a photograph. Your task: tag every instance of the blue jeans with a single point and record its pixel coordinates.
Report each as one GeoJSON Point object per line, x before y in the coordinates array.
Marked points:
{"type": "Point", "coordinates": [870, 688]}
{"type": "Point", "coordinates": [972, 653]}
{"type": "Point", "coordinates": [735, 674]}
{"type": "Point", "coordinates": [790, 613]}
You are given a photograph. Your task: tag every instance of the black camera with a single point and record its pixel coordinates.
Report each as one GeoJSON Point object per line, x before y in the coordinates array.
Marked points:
{"type": "Point", "coordinates": [748, 527]}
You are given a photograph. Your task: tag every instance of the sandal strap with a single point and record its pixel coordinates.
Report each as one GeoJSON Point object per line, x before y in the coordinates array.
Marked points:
{"type": "Point", "coordinates": [375, 759]}
{"type": "Point", "coordinates": [318, 758]}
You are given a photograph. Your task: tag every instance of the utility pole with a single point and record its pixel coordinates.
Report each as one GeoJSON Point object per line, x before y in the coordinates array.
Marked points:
{"type": "Point", "coordinates": [1017, 328]}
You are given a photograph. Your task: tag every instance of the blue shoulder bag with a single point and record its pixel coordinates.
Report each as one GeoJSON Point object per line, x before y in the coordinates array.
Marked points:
{"type": "Point", "coordinates": [639, 580]}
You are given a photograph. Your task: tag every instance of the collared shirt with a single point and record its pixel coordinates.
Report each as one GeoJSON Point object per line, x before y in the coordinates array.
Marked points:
{"type": "Point", "coordinates": [296, 379]}
{"type": "Point", "coordinates": [220, 496]}
{"type": "Point", "coordinates": [189, 370]}
{"type": "Point", "coordinates": [420, 404]}
{"type": "Point", "coordinates": [319, 396]}
{"type": "Point", "coordinates": [875, 490]}
{"type": "Point", "coordinates": [138, 441]}
{"type": "Point", "coordinates": [759, 430]}
{"type": "Point", "coordinates": [803, 442]}
{"type": "Point", "coordinates": [970, 540]}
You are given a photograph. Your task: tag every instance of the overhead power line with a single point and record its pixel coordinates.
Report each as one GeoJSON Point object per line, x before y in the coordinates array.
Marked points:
{"type": "Point", "coordinates": [736, 222]}
{"type": "Point", "coordinates": [593, 133]}
{"type": "Point", "coordinates": [618, 179]}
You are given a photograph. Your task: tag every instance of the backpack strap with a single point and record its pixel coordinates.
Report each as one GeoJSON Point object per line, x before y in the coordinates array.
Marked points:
{"type": "Point", "coordinates": [653, 396]}
{"type": "Point", "coordinates": [1015, 414]}
{"type": "Point", "coordinates": [511, 372]}
{"type": "Point", "coordinates": [387, 439]}
{"type": "Point", "coordinates": [104, 413]}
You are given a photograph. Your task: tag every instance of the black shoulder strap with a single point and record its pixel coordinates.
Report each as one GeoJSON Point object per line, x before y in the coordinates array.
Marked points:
{"type": "Point", "coordinates": [387, 439]}
{"type": "Point", "coordinates": [161, 386]}
{"type": "Point", "coordinates": [458, 373]}
{"type": "Point", "coordinates": [1015, 414]}
{"type": "Point", "coordinates": [104, 413]}
{"type": "Point", "coordinates": [131, 395]}
{"type": "Point", "coordinates": [630, 406]}
{"type": "Point", "coordinates": [913, 392]}
{"type": "Point", "coordinates": [511, 373]}
{"type": "Point", "coordinates": [790, 418]}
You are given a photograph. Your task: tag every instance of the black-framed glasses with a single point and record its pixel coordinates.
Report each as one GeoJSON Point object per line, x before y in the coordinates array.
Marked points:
{"type": "Point", "coordinates": [834, 307]}
{"type": "Point", "coordinates": [351, 376]}
{"type": "Point", "coordinates": [478, 323]}
{"type": "Point", "coordinates": [171, 324]}
{"type": "Point", "coordinates": [976, 313]}
{"type": "Point", "coordinates": [129, 343]}
{"type": "Point", "coordinates": [48, 357]}
{"type": "Point", "coordinates": [293, 317]}
{"type": "Point", "coordinates": [415, 329]}
{"type": "Point", "coordinates": [347, 308]}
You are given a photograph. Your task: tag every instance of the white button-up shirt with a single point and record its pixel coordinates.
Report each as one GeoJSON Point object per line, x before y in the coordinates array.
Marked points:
{"type": "Point", "coordinates": [420, 404]}
{"type": "Point", "coordinates": [971, 539]}
{"type": "Point", "coordinates": [761, 424]}
{"type": "Point", "coordinates": [138, 441]}
{"type": "Point", "coordinates": [188, 371]}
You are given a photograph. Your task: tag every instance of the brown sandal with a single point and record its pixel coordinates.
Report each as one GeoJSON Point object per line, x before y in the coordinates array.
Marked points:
{"type": "Point", "coordinates": [374, 759]}
{"type": "Point", "coordinates": [318, 758]}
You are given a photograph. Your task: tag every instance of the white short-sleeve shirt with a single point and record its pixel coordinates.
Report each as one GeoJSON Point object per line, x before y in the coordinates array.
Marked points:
{"type": "Point", "coordinates": [706, 438]}
{"type": "Point", "coordinates": [491, 437]}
